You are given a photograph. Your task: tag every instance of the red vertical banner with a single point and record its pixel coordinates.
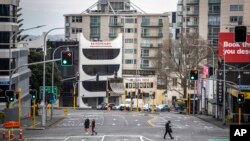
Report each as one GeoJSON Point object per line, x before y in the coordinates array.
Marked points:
{"type": "Point", "coordinates": [234, 52]}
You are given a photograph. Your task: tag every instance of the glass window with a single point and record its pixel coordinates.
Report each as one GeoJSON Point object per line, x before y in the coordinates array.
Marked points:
{"type": "Point", "coordinates": [77, 19]}
{"type": "Point", "coordinates": [4, 66]}
{"type": "Point", "coordinates": [94, 86]}
{"type": "Point", "coordinates": [145, 20]}
{"type": "Point", "coordinates": [214, 20]}
{"type": "Point", "coordinates": [129, 40]}
{"type": "Point", "coordinates": [236, 7]}
{"type": "Point", "coordinates": [235, 19]}
{"type": "Point", "coordinates": [76, 30]}
{"type": "Point", "coordinates": [4, 40]}
{"type": "Point", "coordinates": [129, 51]}
{"type": "Point", "coordinates": [129, 61]}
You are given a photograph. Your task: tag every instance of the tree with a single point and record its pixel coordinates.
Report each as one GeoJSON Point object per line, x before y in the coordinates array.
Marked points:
{"type": "Point", "coordinates": [178, 57]}
{"type": "Point", "coordinates": [37, 71]}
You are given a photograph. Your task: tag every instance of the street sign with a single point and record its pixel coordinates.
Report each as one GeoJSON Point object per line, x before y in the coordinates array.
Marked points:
{"type": "Point", "coordinates": [49, 89]}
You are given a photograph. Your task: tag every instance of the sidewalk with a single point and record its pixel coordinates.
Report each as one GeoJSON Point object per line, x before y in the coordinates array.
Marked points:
{"type": "Point", "coordinates": [27, 123]}
{"type": "Point", "coordinates": [216, 122]}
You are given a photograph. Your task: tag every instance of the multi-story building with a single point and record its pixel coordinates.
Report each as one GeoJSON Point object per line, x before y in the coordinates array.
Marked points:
{"type": "Point", "coordinates": [12, 56]}
{"type": "Point", "coordinates": [143, 34]}
{"type": "Point", "coordinates": [209, 18]}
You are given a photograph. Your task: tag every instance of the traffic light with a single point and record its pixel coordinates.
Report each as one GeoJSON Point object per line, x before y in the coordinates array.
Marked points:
{"type": "Point", "coordinates": [66, 58]}
{"type": "Point", "coordinates": [33, 94]}
{"type": "Point", "coordinates": [240, 98]}
{"type": "Point", "coordinates": [193, 75]}
{"type": "Point", "coordinates": [10, 94]}
{"type": "Point", "coordinates": [240, 33]}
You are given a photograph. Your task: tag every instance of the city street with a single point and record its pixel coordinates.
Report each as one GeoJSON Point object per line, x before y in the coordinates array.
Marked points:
{"type": "Point", "coordinates": [128, 126]}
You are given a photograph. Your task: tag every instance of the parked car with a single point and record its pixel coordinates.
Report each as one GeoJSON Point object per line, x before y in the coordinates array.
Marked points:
{"type": "Point", "coordinates": [163, 107]}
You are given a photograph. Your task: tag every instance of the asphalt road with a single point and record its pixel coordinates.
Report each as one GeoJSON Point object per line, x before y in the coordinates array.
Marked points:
{"type": "Point", "coordinates": [127, 126]}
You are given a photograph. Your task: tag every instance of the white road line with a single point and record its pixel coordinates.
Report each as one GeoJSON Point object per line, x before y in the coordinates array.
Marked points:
{"type": "Point", "coordinates": [114, 119]}
{"type": "Point", "coordinates": [113, 124]}
{"type": "Point", "coordinates": [103, 137]}
{"type": "Point", "coordinates": [67, 138]}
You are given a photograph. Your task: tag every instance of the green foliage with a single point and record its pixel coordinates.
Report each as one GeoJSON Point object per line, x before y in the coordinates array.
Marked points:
{"type": "Point", "coordinates": [36, 79]}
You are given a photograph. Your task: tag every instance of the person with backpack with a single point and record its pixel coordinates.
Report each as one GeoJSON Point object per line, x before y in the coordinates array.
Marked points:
{"type": "Point", "coordinates": [168, 130]}
{"type": "Point", "coordinates": [86, 125]}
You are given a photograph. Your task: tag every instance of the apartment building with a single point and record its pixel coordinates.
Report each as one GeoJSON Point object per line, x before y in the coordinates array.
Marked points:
{"type": "Point", "coordinates": [209, 18]}
{"type": "Point", "coordinates": [143, 34]}
{"type": "Point", "coordinates": [12, 56]}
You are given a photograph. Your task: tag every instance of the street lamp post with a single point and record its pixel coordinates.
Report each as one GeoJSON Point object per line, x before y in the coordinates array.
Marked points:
{"type": "Point", "coordinates": [10, 54]}
{"type": "Point", "coordinates": [44, 59]}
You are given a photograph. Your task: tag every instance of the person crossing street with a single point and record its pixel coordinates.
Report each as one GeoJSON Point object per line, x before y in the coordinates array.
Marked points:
{"type": "Point", "coordinates": [168, 130]}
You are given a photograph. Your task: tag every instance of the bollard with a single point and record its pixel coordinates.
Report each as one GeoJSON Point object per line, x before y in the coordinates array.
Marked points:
{"type": "Point", "coordinates": [3, 134]}
{"type": "Point", "coordinates": [20, 134]}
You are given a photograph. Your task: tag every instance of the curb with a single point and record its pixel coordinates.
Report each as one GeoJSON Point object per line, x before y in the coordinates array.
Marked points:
{"type": "Point", "coordinates": [211, 122]}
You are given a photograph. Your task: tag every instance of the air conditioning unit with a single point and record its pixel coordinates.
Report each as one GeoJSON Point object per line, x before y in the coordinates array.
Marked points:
{"type": "Point", "coordinates": [67, 24]}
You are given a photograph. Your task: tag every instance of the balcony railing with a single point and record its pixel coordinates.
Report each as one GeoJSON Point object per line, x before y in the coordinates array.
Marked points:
{"type": "Point", "coordinates": [147, 35]}
{"type": "Point", "coordinates": [192, 23]}
{"type": "Point", "coordinates": [113, 35]}
{"type": "Point", "coordinates": [146, 45]}
{"type": "Point", "coordinates": [192, 12]}
{"type": "Point", "coordinates": [214, 12]}
{"type": "Point", "coordinates": [94, 35]}
{"type": "Point", "coordinates": [180, 2]}
{"type": "Point", "coordinates": [116, 24]}
{"type": "Point", "coordinates": [179, 13]}
{"type": "Point", "coordinates": [152, 24]}
{"type": "Point", "coordinates": [192, 2]}
{"type": "Point", "coordinates": [95, 24]}
{"type": "Point", "coordinates": [214, 1]}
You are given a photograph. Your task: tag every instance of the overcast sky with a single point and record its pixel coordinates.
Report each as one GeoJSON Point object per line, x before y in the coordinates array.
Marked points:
{"type": "Point", "coordinates": [50, 12]}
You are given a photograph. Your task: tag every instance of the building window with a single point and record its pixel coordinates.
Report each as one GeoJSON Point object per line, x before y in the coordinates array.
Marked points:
{"type": "Point", "coordinates": [129, 40]}
{"type": "Point", "coordinates": [4, 40]}
{"type": "Point", "coordinates": [129, 20]}
{"type": "Point", "coordinates": [145, 20]}
{"type": "Point", "coordinates": [130, 30]}
{"type": "Point", "coordinates": [236, 7]}
{"type": "Point", "coordinates": [76, 19]}
{"type": "Point", "coordinates": [235, 19]}
{"type": "Point", "coordinates": [129, 51]}
{"type": "Point", "coordinates": [214, 20]}
{"type": "Point", "coordinates": [76, 30]}
{"type": "Point", "coordinates": [129, 61]}
{"type": "Point", "coordinates": [145, 52]}
{"type": "Point", "coordinates": [175, 82]}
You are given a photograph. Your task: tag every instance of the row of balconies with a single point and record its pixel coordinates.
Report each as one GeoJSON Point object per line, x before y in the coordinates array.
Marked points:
{"type": "Point", "coordinates": [147, 45]}
{"type": "Point", "coordinates": [150, 35]}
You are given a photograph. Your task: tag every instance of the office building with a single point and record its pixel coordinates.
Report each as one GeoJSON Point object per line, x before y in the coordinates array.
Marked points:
{"type": "Point", "coordinates": [12, 56]}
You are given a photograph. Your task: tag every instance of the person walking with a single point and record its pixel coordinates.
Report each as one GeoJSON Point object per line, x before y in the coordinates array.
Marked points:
{"type": "Point", "coordinates": [86, 125]}
{"type": "Point", "coordinates": [93, 127]}
{"type": "Point", "coordinates": [168, 130]}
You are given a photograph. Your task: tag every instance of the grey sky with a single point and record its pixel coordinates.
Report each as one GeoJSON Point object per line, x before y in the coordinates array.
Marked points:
{"type": "Point", "coordinates": [50, 12]}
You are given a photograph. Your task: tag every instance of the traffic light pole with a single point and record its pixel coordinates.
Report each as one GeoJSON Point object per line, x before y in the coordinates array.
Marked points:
{"type": "Point", "coordinates": [239, 115]}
